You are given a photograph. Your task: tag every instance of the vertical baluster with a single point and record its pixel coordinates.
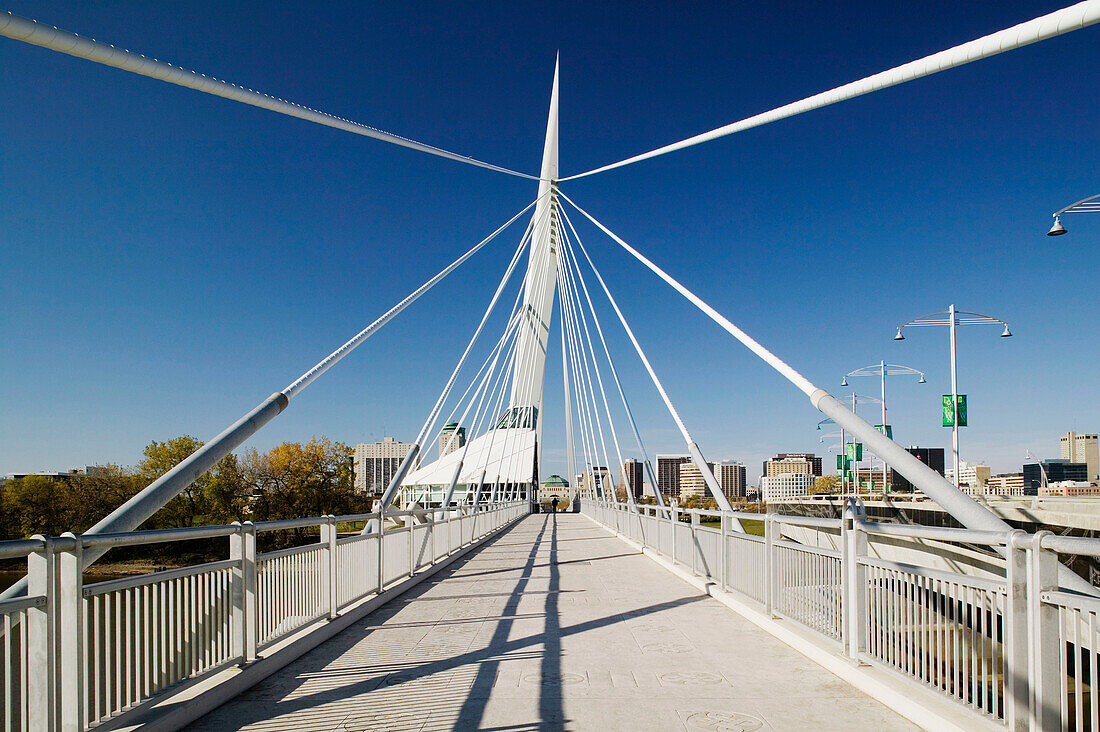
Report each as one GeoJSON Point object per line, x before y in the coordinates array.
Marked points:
{"type": "Point", "coordinates": [1063, 667]}
{"type": "Point", "coordinates": [9, 666]}
{"type": "Point", "coordinates": [1075, 645]}
{"type": "Point", "coordinates": [1094, 713]}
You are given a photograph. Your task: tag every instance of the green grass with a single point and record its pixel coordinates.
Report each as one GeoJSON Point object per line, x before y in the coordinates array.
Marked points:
{"type": "Point", "coordinates": [751, 526]}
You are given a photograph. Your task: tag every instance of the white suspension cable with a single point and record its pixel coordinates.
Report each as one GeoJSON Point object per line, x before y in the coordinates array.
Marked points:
{"type": "Point", "coordinates": [611, 363]}
{"type": "Point", "coordinates": [1061, 21]}
{"type": "Point", "coordinates": [395, 482]}
{"type": "Point", "coordinates": [774, 361]}
{"type": "Point", "coordinates": [693, 448]}
{"type": "Point", "coordinates": [599, 377]}
{"type": "Point", "coordinates": [39, 34]}
{"type": "Point", "coordinates": [329, 361]}
{"type": "Point", "coordinates": [587, 429]}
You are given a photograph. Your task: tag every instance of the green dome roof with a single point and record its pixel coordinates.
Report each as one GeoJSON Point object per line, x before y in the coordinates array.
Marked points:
{"type": "Point", "coordinates": [555, 481]}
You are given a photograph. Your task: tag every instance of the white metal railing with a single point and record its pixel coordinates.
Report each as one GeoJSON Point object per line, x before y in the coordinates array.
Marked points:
{"type": "Point", "coordinates": [73, 656]}
{"type": "Point", "coordinates": [1008, 645]}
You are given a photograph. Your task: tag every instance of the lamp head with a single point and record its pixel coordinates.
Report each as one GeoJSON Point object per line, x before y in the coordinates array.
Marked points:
{"type": "Point", "coordinates": [844, 381]}
{"type": "Point", "coordinates": [1007, 333]}
{"type": "Point", "coordinates": [1057, 229]}
{"type": "Point", "coordinates": [899, 336]}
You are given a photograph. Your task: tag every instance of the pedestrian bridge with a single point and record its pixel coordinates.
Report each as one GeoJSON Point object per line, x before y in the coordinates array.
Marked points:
{"type": "Point", "coordinates": [619, 617]}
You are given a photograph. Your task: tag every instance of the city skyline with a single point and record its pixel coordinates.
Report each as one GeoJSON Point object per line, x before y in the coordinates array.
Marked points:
{"type": "Point", "coordinates": [106, 171]}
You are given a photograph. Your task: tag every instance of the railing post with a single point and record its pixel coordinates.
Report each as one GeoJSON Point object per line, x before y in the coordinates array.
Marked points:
{"type": "Point", "coordinates": [1046, 671]}
{"type": "Point", "coordinates": [854, 576]}
{"type": "Point", "coordinates": [410, 524]}
{"type": "Point", "coordinates": [42, 692]}
{"type": "Point", "coordinates": [1016, 632]}
{"type": "Point", "coordinates": [675, 518]}
{"type": "Point", "coordinates": [770, 564]}
{"type": "Point", "coordinates": [694, 542]}
{"type": "Point", "coordinates": [70, 609]}
{"type": "Point", "coordinates": [381, 547]}
{"type": "Point", "coordinates": [328, 540]}
{"type": "Point", "coordinates": [723, 549]}
{"type": "Point", "coordinates": [242, 549]}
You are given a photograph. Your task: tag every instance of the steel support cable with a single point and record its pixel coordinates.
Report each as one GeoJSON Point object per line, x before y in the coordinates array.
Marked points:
{"type": "Point", "coordinates": [512, 316]}
{"type": "Point", "coordinates": [1047, 26]}
{"type": "Point", "coordinates": [153, 497]}
{"type": "Point", "coordinates": [596, 368]}
{"type": "Point", "coordinates": [395, 482]}
{"type": "Point", "coordinates": [693, 447]}
{"type": "Point", "coordinates": [584, 414]}
{"type": "Point", "coordinates": [446, 503]}
{"type": "Point", "coordinates": [31, 31]}
{"type": "Point", "coordinates": [329, 361]}
{"type": "Point", "coordinates": [569, 361]}
{"type": "Point", "coordinates": [570, 446]}
{"type": "Point", "coordinates": [591, 391]}
{"type": "Point", "coordinates": [961, 506]}
{"type": "Point", "coordinates": [530, 374]}
{"type": "Point", "coordinates": [567, 346]}
{"type": "Point", "coordinates": [488, 416]}
{"type": "Point", "coordinates": [611, 362]}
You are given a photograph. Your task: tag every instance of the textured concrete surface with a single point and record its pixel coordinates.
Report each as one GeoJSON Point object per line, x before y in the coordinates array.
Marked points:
{"type": "Point", "coordinates": [554, 625]}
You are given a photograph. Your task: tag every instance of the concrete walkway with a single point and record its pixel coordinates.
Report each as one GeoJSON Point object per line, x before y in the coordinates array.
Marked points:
{"type": "Point", "coordinates": [554, 625]}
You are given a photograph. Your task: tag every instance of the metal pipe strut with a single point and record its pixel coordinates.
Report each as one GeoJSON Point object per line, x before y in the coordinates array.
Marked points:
{"type": "Point", "coordinates": [51, 37]}
{"type": "Point", "coordinates": [964, 508]}
{"type": "Point", "coordinates": [1047, 26]}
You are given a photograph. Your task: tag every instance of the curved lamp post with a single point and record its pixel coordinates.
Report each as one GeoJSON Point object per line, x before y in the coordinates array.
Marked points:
{"type": "Point", "coordinates": [1085, 205]}
{"type": "Point", "coordinates": [856, 400]}
{"type": "Point", "coordinates": [1042, 471]}
{"type": "Point", "coordinates": [952, 320]}
{"type": "Point", "coordinates": [882, 370]}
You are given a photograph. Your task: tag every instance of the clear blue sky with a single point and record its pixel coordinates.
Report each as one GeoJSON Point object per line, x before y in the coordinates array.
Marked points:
{"type": "Point", "coordinates": [170, 258]}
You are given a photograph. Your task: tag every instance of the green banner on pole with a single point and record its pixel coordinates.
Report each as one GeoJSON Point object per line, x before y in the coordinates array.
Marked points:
{"type": "Point", "coordinates": [889, 431]}
{"type": "Point", "coordinates": [949, 413]}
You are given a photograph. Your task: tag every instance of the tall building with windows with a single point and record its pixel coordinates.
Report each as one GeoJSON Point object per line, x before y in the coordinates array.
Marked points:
{"type": "Point", "coordinates": [972, 478]}
{"type": "Point", "coordinates": [376, 463]}
{"type": "Point", "coordinates": [635, 476]}
{"type": "Point", "coordinates": [785, 486]}
{"type": "Point", "coordinates": [668, 474]}
{"type": "Point", "coordinates": [692, 482]}
{"type": "Point", "coordinates": [1082, 448]}
{"type": "Point", "coordinates": [793, 462]}
{"type": "Point", "coordinates": [1055, 471]}
{"type": "Point", "coordinates": [930, 456]}
{"type": "Point", "coordinates": [732, 477]}
{"type": "Point", "coordinates": [451, 438]}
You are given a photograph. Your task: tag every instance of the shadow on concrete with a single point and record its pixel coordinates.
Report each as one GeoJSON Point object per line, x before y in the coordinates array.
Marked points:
{"type": "Point", "coordinates": [346, 681]}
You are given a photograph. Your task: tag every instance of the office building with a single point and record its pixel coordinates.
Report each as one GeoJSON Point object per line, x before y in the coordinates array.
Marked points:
{"type": "Point", "coordinates": [930, 456]}
{"type": "Point", "coordinates": [793, 462]}
{"type": "Point", "coordinates": [1055, 472]}
{"type": "Point", "coordinates": [692, 482]}
{"type": "Point", "coordinates": [972, 478]}
{"type": "Point", "coordinates": [634, 471]}
{"type": "Point", "coordinates": [376, 463]}
{"type": "Point", "coordinates": [668, 474]}
{"type": "Point", "coordinates": [451, 438]}
{"type": "Point", "coordinates": [785, 486]}
{"type": "Point", "coordinates": [1005, 484]}
{"type": "Point", "coordinates": [732, 477]}
{"type": "Point", "coordinates": [1081, 448]}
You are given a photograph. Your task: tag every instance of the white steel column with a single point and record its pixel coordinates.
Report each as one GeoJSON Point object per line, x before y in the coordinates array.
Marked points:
{"type": "Point", "coordinates": [954, 400]}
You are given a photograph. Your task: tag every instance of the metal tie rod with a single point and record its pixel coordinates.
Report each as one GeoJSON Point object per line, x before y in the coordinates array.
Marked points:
{"type": "Point", "coordinates": [964, 508]}
{"type": "Point", "coordinates": [1047, 26]}
{"type": "Point", "coordinates": [153, 497]}
{"type": "Point", "coordinates": [51, 37]}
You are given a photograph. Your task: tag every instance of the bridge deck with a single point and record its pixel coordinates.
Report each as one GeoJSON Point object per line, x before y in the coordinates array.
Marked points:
{"type": "Point", "coordinates": [553, 625]}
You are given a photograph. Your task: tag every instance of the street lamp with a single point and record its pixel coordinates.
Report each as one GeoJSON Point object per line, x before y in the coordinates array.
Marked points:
{"type": "Point", "coordinates": [882, 370]}
{"type": "Point", "coordinates": [856, 400]}
{"type": "Point", "coordinates": [1042, 471]}
{"type": "Point", "coordinates": [952, 320]}
{"type": "Point", "coordinates": [1085, 205]}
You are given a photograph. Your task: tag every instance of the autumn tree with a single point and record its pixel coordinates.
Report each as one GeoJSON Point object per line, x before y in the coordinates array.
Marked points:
{"type": "Point", "coordinates": [825, 484]}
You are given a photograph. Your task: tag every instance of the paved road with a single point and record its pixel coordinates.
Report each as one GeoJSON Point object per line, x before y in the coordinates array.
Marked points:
{"type": "Point", "coordinates": [554, 625]}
